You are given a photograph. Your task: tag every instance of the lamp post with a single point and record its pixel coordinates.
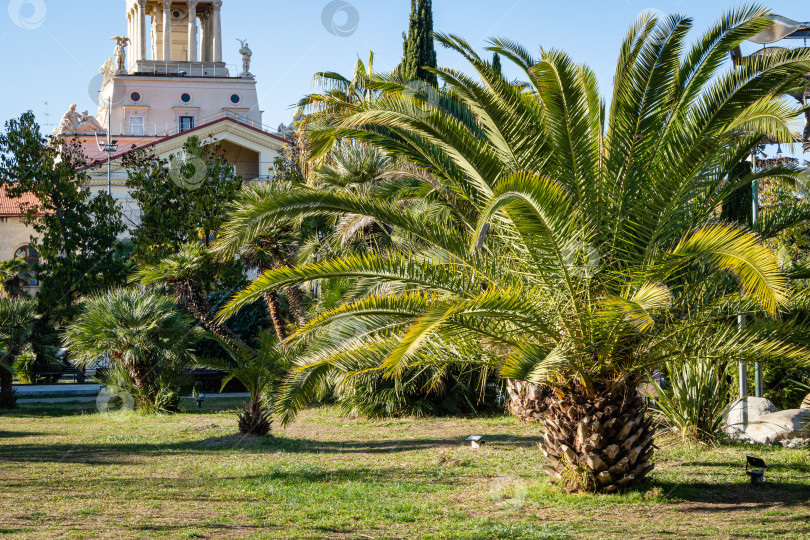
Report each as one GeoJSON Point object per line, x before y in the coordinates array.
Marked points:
{"type": "Point", "coordinates": [109, 146]}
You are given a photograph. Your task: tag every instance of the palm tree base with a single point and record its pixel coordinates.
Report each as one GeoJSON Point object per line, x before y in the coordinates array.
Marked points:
{"type": "Point", "coordinates": [526, 400]}
{"type": "Point", "coordinates": [255, 419]}
{"type": "Point", "coordinates": [597, 443]}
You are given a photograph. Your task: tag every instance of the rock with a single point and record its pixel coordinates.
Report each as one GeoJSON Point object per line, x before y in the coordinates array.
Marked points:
{"type": "Point", "coordinates": [806, 402]}
{"type": "Point", "coordinates": [779, 426]}
{"type": "Point", "coordinates": [756, 407]}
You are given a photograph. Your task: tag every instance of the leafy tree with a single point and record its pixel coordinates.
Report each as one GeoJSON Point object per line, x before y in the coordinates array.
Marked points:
{"type": "Point", "coordinates": [75, 228]}
{"type": "Point", "coordinates": [17, 319]}
{"type": "Point", "coordinates": [181, 199]}
{"type": "Point", "coordinates": [496, 63]}
{"type": "Point", "coordinates": [589, 248]}
{"type": "Point", "coordinates": [418, 48]}
{"type": "Point", "coordinates": [140, 331]}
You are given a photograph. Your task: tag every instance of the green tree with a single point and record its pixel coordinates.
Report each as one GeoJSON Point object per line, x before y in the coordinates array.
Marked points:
{"type": "Point", "coordinates": [75, 228]}
{"type": "Point", "coordinates": [17, 319]}
{"type": "Point", "coordinates": [185, 275]}
{"type": "Point", "coordinates": [260, 374]}
{"type": "Point", "coordinates": [140, 331]}
{"type": "Point", "coordinates": [14, 275]}
{"type": "Point", "coordinates": [590, 250]}
{"type": "Point", "coordinates": [419, 51]}
{"type": "Point", "coordinates": [182, 199]}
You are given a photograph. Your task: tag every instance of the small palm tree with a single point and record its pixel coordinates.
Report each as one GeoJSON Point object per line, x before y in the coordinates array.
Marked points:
{"type": "Point", "coordinates": [182, 274]}
{"type": "Point", "coordinates": [260, 374]}
{"type": "Point", "coordinates": [17, 319]}
{"type": "Point", "coordinates": [14, 275]}
{"type": "Point", "coordinates": [140, 331]}
{"type": "Point", "coordinates": [590, 248]}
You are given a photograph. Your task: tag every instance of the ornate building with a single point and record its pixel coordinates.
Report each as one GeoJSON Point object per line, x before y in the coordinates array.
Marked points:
{"type": "Point", "coordinates": [166, 81]}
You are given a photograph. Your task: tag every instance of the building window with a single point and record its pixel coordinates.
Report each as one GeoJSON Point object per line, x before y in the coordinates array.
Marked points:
{"type": "Point", "coordinates": [135, 96]}
{"type": "Point", "coordinates": [185, 97]}
{"type": "Point", "coordinates": [136, 126]}
{"type": "Point", "coordinates": [186, 123]}
{"type": "Point", "coordinates": [31, 257]}
{"type": "Point", "coordinates": [235, 99]}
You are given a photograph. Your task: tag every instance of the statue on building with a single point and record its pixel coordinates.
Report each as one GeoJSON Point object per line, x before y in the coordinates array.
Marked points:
{"type": "Point", "coordinates": [70, 121]}
{"type": "Point", "coordinates": [121, 52]}
{"type": "Point", "coordinates": [246, 55]}
{"type": "Point", "coordinates": [89, 124]}
{"type": "Point", "coordinates": [108, 70]}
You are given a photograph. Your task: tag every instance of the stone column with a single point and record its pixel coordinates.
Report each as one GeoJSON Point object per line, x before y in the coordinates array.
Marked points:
{"type": "Point", "coordinates": [142, 30]}
{"type": "Point", "coordinates": [192, 30]}
{"type": "Point", "coordinates": [158, 14]}
{"type": "Point", "coordinates": [167, 30]}
{"type": "Point", "coordinates": [204, 35]}
{"type": "Point", "coordinates": [217, 31]}
{"type": "Point", "coordinates": [131, 36]}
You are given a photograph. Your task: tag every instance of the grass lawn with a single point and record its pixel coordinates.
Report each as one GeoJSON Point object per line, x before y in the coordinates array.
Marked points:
{"type": "Point", "coordinates": [68, 472]}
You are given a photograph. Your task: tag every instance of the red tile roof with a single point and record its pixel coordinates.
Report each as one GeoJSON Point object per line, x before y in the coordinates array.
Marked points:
{"type": "Point", "coordinates": [13, 207]}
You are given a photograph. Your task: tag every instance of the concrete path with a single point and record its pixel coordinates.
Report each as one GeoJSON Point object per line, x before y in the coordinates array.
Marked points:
{"type": "Point", "coordinates": [91, 399]}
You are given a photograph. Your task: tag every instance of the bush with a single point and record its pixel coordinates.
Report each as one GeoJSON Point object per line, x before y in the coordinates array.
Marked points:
{"type": "Point", "coordinates": [248, 324]}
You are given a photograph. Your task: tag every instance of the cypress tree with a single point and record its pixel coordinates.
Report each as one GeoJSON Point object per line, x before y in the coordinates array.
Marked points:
{"type": "Point", "coordinates": [496, 63]}
{"type": "Point", "coordinates": [418, 48]}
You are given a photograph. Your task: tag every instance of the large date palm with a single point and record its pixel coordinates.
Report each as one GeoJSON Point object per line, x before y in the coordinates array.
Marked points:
{"type": "Point", "coordinates": [585, 246]}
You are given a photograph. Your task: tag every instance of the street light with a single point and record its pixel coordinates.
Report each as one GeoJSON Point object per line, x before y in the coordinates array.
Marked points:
{"type": "Point", "coordinates": [109, 146]}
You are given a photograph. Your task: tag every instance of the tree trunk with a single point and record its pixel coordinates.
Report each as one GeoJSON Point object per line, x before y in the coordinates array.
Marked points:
{"type": "Point", "coordinates": [274, 309]}
{"type": "Point", "coordinates": [526, 400]}
{"type": "Point", "coordinates": [598, 443]}
{"type": "Point", "coordinates": [296, 300]}
{"type": "Point", "coordinates": [192, 296]}
{"type": "Point", "coordinates": [7, 400]}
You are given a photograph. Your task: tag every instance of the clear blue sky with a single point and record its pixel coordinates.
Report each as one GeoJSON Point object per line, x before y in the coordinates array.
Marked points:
{"type": "Point", "coordinates": [57, 58]}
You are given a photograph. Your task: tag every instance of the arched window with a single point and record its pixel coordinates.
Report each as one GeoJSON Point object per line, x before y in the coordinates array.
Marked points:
{"type": "Point", "coordinates": [30, 256]}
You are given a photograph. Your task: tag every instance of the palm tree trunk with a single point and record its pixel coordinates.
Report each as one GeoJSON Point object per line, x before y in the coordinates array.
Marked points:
{"type": "Point", "coordinates": [597, 442]}
{"type": "Point", "coordinates": [192, 296]}
{"type": "Point", "coordinates": [6, 389]}
{"type": "Point", "coordinates": [296, 300]}
{"type": "Point", "coordinates": [274, 309]}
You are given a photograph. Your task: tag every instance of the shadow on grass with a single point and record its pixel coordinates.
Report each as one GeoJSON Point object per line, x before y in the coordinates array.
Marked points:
{"type": "Point", "coordinates": [722, 497]}
{"type": "Point", "coordinates": [20, 434]}
{"type": "Point", "coordinates": [99, 454]}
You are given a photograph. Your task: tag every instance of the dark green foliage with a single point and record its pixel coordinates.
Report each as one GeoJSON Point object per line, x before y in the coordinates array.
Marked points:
{"type": "Point", "coordinates": [785, 387]}
{"type": "Point", "coordinates": [179, 204]}
{"type": "Point", "coordinates": [496, 63]}
{"type": "Point", "coordinates": [76, 229]}
{"type": "Point", "coordinates": [738, 207]}
{"type": "Point", "coordinates": [247, 324]}
{"type": "Point", "coordinates": [419, 51]}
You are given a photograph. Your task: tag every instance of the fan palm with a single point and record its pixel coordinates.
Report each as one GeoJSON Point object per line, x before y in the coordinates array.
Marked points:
{"type": "Point", "coordinates": [139, 330]}
{"type": "Point", "coordinates": [182, 273]}
{"type": "Point", "coordinates": [260, 374]}
{"type": "Point", "coordinates": [589, 248]}
{"type": "Point", "coordinates": [17, 319]}
{"type": "Point", "coordinates": [14, 274]}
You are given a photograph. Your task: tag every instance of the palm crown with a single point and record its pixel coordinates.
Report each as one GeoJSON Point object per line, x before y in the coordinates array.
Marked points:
{"type": "Point", "coordinates": [582, 247]}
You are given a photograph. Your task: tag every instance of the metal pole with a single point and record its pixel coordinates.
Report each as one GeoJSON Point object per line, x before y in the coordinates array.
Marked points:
{"type": "Point", "coordinates": [754, 215]}
{"type": "Point", "coordinates": [109, 145]}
